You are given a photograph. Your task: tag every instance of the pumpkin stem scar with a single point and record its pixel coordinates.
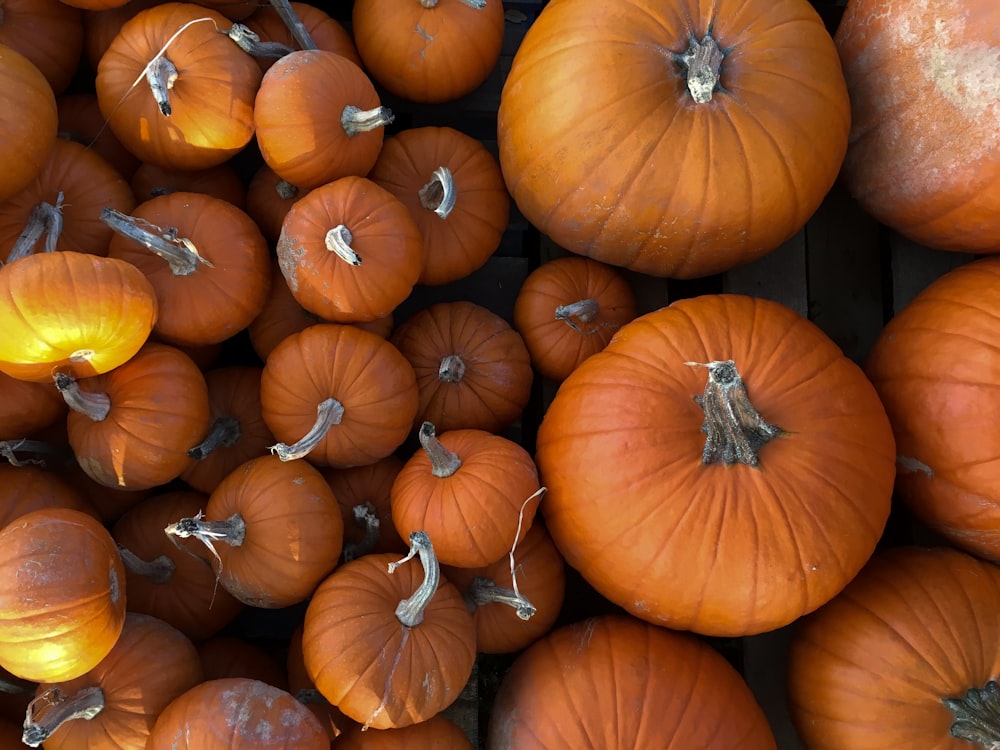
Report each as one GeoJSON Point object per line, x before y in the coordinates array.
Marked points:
{"type": "Point", "coordinates": [410, 611]}
{"type": "Point", "coordinates": [53, 708]}
{"type": "Point", "coordinates": [977, 716]}
{"type": "Point", "coordinates": [703, 64]}
{"type": "Point", "coordinates": [366, 518]}
{"type": "Point", "coordinates": [735, 431]}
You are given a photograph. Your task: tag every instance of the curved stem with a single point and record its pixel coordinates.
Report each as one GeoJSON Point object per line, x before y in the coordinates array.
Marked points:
{"type": "Point", "coordinates": [355, 120]}
{"type": "Point", "coordinates": [735, 431]}
{"type": "Point", "coordinates": [50, 710]}
{"type": "Point", "coordinates": [366, 517]}
{"type": "Point", "coordinates": [249, 41]}
{"type": "Point", "coordinates": [439, 194]}
{"type": "Point", "coordinates": [451, 369]}
{"type": "Point", "coordinates": [180, 253]}
{"type": "Point", "coordinates": [44, 219]}
{"type": "Point", "coordinates": [410, 611]}
{"type": "Point", "coordinates": [484, 591]}
{"type": "Point", "coordinates": [232, 530]}
{"type": "Point", "coordinates": [293, 23]}
{"type": "Point", "coordinates": [444, 463]}
{"type": "Point", "coordinates": [977, 716]}
{"type": "Point", "coordinates": [96, 406]}
{"type": "Point", "coordinates": [338, 240]}
{"type": "Point", "coordinates": [161, 75]}
{"type": "Point", "coordinates": [702, 62]}
{"type": "Point", "coordinates": [584, 310]}
{"type": "Point", "coordinates": [158, 570]}
{"type": "Point", "coordinates": [329, 413]}
{"type": "Point", "coordinates": [10, 448]}
{"type": "Point", "coordinates": [225, 432]}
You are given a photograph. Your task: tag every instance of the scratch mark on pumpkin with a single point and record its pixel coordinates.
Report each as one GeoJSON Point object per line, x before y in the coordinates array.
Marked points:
{"type": "Point", "coordinates": [909, 465]}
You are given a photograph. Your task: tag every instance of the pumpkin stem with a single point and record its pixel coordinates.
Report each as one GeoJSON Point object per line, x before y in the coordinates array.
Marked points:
{"type": "Point", "coordinates": [93, 405]}
{"type": "Point", "coordinates": [444, 463]}
{"type": "Point", "coordinates": [161, 74]}
{"type": "Point", "coordinates": [702, 62]}
{"type": "Point", "coordinates": [735, 431]}
{"type": "Point", "coordinates": [225, 432]}
{"type": "Point", "coordinates": [366, 518]}
{"type": "Point", "coordinates": [451, 369]}
{"type": "Point", "coordinates": [977, 716]}
{"type": "Point", "coordinates": [410, 611]}
{"type": "Point", "coordinates": [10, 448]}
{"type": "Point", "coordinates": [44, 219]}
{"type": "Point", "coordinates": [293, 23]}
{"type": "Point", "coordinates": [484, 591]}
{"type": "Point", "coordinates": [180, 253]}
{"type": "Point", "coordinates": [338, 240]}
{"type": "Point", "coordinates": [50, 710]}
{"type": "Point", "coordinates": [249, 41]}
{"type": "Point", "coordinates": [158, 570]}
{"type": "Point", "coordinates": [311, 697]}
{"type": "Point", "coordinates": [329, 413]}
{"type": "Point", "coordinates": [356, 120]}
{"type": "Point", "coordinates": [439, 194]}
{"type": "Point", "coordinates": [286, 190]}
{"type": "Point", "coordinates": [584, 310]}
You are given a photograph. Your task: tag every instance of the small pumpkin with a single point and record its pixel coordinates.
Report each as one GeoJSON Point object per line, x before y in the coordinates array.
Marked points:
{"type": "Point", "coordinates": [232, 656]}
{"type": "Point", "coordinates": [47, 32]}
{"type": "Point", "coordinates": [68, 560]}
{"type": "Point", "coordinates": [438, 732]}
{"type": "Point", "coordinates": [28, 121]}
{"type": "Point", "coordinates": [28, 488]}
{"type": "Point", "coordinates": [326, 32]}
{"type": "Point", "coordinates": [81, 121]}
{"type": "Point", "coordinates": [269, 199]}
{"type": "Point", "coordinates": [26, 407]}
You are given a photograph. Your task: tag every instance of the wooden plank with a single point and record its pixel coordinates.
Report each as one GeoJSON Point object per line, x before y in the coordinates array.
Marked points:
{"type": "Point", "coordinates": [914, 267]}
{"type": "Point", "coordinates": [779, 276]}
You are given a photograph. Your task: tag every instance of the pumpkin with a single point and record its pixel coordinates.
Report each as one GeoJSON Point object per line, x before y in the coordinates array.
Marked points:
{"type": "Point", "coordinates": [318, 117]}
{"type": "Point", "coordinates": [28, 488]}
{"type": "Point", "coordinates": [231, 656]}
{"type": "Point", "coordinates": [265, 553]}
{"type": "Point", "coordinates": [133, 427]}
{"type": "Point", "coordinates": [301, 686]}
{"type": "Point", "coordinates": [437, 732]}
{"type": "Point", "coordinates": [340, 395]}
{"type": "Point", "coordinates": [206, 259]}
{"type": "Point", "coordinates": [616, 683]}
{"type": "Point", "coordinates": [63, 204]}
{"type": "Point", "coordinates": [455, 193]}
{"type": "Point", "coordinates": [236, 713]}
{"type": "Point", "coordinates": [569, 308]}
{"type": "Point", "coordinates": [389, 649]}
{"type": "Point", "coordinates": [695, 466]}
{"type": "Point", "coordinates": [106, 309]}
{"type": "Point", "coordinates": [473, 491]}
{"type": "Point", "coordinates": [326, 32]}
{"type": "Point", "coordinates": [26, 407]}
{"type": "Point", "coordinates": [676, 139]}
{"type": "Point", "coordinates": [905, 656]}
{"type": "Point", "coordinates": [27, 123]}
{"type": "Point", "coordinates": [81, 121]}
{"type": "Point", "coordinates": [194, 107]}
{"type": "Point", "coordinates": [429, 50]}
{"type": "Point", "coordinates": [268, 200]}
{"type": "Point", "coordinates": [165, 576]}
{"type": "Point", "coordinates": [473, 370]}
{"type": "Point", "coordinates": [115, 704]}
{"type": "Point", "coordinates": [100, 27]}
{"type": "Point", "coordinates": [924, 154]}
{"type": "Point", "coordinates": [221, 181]}
{"type": "Point", "coordinates": [518, 598]}
{"type": "Point", "coordinates": [934, 366]}
{"type": "Point", "coordinates": [47, 32]}
{"type": "Point", "coordinates": [349, 251]}
{"type": "Point", "coordinates": [68, 560]}
{"type": "Point", "coordinates": [237, 432]}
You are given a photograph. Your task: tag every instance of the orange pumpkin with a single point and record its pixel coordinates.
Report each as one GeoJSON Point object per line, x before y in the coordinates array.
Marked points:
{"type": "Point", "coordinates": [68, 560]}
{"type": "Point", "coordinates": [28, 121]}
{"type": "Point", "coordinates": [105, 312]}
{"type": "Point", "coordinates": [221, 181]}
{"type": "Point", "coordinates": [437, 732]}
{"type": "Point", "coordinates": [326, 32]}
{"type": "Point", "coordinates": [81, 121]}
{"type": "Point", "coordinates": [269, 199]}
{"type": "Point", "coordinates": [29, 488]}
{"type": "Point", "coordinates": [26, 408]}
{"type": "Point", "coordinates": [231, 656]}
{"type": "Point", "coordinates": [676, 140]}
{"type": "Point", "coordinates": [47, 32]}
{"type": "Point", "coordinates": [301, 686]}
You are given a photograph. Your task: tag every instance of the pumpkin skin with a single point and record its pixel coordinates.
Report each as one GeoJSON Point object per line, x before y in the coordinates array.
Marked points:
{"type": "Point", "coordinates": [26, 408]}
{"type": "Point", "coordinates": [47, 32]}
{"type": "Point", "coordinates": [616, 683]}
{"type": "Point", "coordinates": [426, 51]}
{"type": "Point", "coordinates": [28, 121]}
{"type": "Point", "coordinates": [229, 656]}
{"type": "Point", "coordinates": [81, 121]}
{"type": "Point", "coordinates": [327, 32]}
{"type": "Point", "coordinates": [151, 664]}
{"type": "Point", "coordinates": [934, 366]}
{"type": "Point", "coordinates": [567, 309]}
{"type": "Point", "coordinates": [236, 713]}
{"type": "Point", "coordinates": [631, 500]}
{"type": "Point", "coordinates": [211, 101]}
{"type": "Point", "coordinates": [106, 310]}
{"type": "Point", "coordinates": [29, 488]}
{"type": "Point", "coordinates": [924, 154]}
{"type": "Point", "coordinates": [473, 370]}
{"type": "Point", "coordinates": [68, 560]}
{"type": "Point", "coordinates": [437, 732]}
{"type": "Point", "coordinates": [360, 370]}
{"type": "Point", "coordinates": [221, 181]}
{"type": "Point", "coordinates": [871, 668]}
{"type": "Point", "coordinates": [680, 188]}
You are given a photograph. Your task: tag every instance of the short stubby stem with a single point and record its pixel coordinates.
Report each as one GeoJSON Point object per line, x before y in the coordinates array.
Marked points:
{"type": "Point", "coordinates": [735, 431]}
{"type": "Point", "coordinates": [410, 611]}
{"type": "Point", "coordinates": [161, 74]}
{"type": "Point", "coordinates": [444, 462]}
{"type": "Point", "coordinates": [50, 710]}
{"type": "Point", "coordinates": [977, 716]}
{"type": "Point", "coordinates": [439, 194]}
{"type": "Point", "coordinates": [96, 406]}
{"type": "Point", "coordinates": [582, 311]}
{"type": "Point", "coordinates": [159, 570]}
{"type": "Point", "coordinates": [338, 241]}
{"type": "Point", "coordinates": [451, 369]}
{"type": "Point", "coordinates": [225, 432]}
{"type": "Point", "coordinates": [180, 253]}
{"type": "Point", "coordinates": [356, 120]}
{"type": "Point", "coordinates": [702, 62]}
{"type": "Point", "coordinates": [330, 412]}
{"type": "Point", "coordinates": [483, 591]}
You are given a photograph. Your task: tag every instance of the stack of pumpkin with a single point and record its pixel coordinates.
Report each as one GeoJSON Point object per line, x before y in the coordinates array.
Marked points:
{"type": "Point", "coordinates": [717, 466]}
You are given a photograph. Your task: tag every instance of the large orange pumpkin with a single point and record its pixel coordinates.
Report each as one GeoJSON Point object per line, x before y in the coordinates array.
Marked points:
{"type": "Point", "coordinates": [924, 153]}
{"type": "Point", "coordinates": [676, 139]}
{"type": "Point", "coordinates": [28, 121]}
{"type": "Point", "coordinates": [704, 497]}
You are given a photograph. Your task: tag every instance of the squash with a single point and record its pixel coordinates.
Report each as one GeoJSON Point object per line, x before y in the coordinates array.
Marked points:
{"type": "Point", "coordinates": [47, 32]}
{"type": "Point", "coordinates": [27, 123]}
